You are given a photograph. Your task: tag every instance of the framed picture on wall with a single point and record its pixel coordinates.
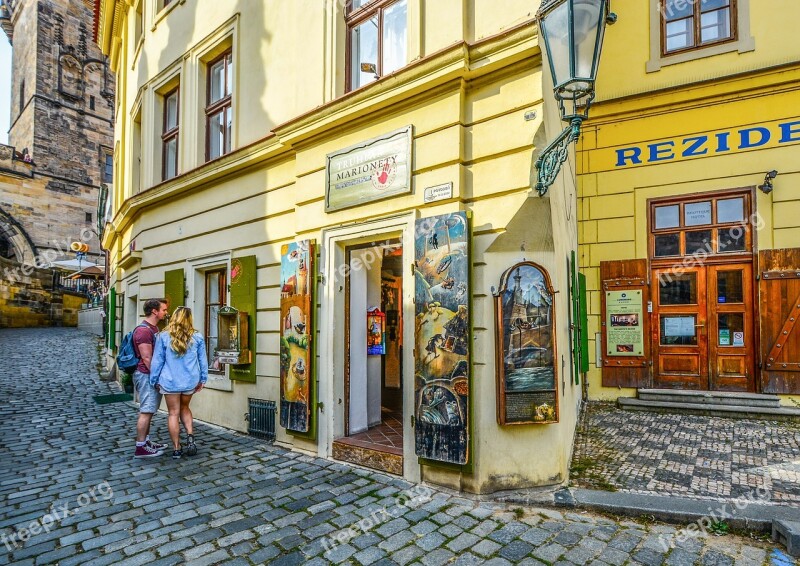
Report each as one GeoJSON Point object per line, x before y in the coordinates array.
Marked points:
{"type": "Point", "coordinates": [527, 391]}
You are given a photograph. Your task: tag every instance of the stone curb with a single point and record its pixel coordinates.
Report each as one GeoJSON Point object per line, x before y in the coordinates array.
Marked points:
{"type": "Point", "coordinates": [752, 516]}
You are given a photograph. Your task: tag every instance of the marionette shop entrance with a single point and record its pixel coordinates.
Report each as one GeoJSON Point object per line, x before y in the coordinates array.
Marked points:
{"type": "Point", "coordinates": [373, 384]}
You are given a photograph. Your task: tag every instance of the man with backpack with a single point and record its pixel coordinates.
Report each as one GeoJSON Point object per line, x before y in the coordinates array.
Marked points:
{"type": "Point", "coordinates": [144, 338]}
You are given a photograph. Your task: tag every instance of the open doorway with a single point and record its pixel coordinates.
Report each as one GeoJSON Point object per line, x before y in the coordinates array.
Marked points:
{"type": "Point", "coordinates": [373, 431]}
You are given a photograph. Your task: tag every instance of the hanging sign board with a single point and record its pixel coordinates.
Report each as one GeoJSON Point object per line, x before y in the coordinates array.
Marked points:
{"type": "Point", "coordinates": [624, 323]}
{"type": "Point", "coordinates": [372, 170]}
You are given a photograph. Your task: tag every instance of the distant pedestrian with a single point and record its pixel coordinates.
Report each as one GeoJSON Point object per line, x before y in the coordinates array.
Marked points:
{"type": "Point", "coordinates": [144, 338]}
{"type": "Point", "coordinates": [179, 370]}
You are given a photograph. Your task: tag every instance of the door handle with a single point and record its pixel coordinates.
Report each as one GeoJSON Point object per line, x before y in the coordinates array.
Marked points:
{"type": "Point", "coordinates": [699, 325]}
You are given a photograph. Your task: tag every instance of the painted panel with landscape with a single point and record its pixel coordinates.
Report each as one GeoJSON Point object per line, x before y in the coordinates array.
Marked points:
{"type": "Point", "coordinates": [296, 332]}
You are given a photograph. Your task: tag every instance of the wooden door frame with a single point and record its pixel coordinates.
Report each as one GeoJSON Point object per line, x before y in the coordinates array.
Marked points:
{"type": "Point", "coordinates": [714, 311]}
{"type": "Point", "coordinates": [751, 257]}
{"type": "Point", "coordinates": [700, 310]}
{"type": "Point", "coordinates": [348, 255]}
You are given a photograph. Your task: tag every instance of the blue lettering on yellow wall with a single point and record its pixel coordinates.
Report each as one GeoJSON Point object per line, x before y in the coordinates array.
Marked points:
{"type": "Point", "coordinates": [722, 142]}
{"type": "Point", "coordinates": [790, 131]}
{"type": "Point", "coordinates": [692, 146]}
{"type": "Point", "coordinates": [661, 151]}
{"type": "Point", "coordinates": [632, 153]}
{"type": "Point", "coordinates": [747, 138]}
{"type": "Point", "coordinates": [706, 145]}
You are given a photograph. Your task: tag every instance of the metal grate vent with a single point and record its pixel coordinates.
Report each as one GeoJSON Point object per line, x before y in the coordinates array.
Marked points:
{"type": "Point", "coordinates": [261, 419]}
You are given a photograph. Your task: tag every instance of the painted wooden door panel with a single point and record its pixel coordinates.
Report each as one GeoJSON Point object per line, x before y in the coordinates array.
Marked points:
{"type": "Point", "coordinates": [442, 338]}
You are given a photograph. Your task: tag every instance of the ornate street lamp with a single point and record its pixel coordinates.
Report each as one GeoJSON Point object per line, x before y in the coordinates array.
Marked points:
{"type": "Point", "coordinates": [573, 36]}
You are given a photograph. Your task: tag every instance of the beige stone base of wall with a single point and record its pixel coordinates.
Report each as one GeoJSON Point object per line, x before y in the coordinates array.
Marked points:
{"type": "Point", "coordinates": [27, 298]}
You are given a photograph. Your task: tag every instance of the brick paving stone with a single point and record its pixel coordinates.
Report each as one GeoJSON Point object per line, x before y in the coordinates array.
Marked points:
{"type": "Point", "coordinates": [550, 552]}
{"type": "Point", "coordinates": [648, 556]}
{"type": "Point", "coordinates": [407, 554]}
{"type": "Point", "coordinates": [397, 541]}
{"type": "Point", "coordinates": [486, 547]}
{"type": "Point", "coordinates": [369, 555]}
{"type": "Point", "coordinates": [679, 557]}
{"type": "Point", "coordinates": [431, 541]}
{"type": "Point", "coordinates": [516, 550]}
{"type": "Point", "coordinates": [468, 559]}
{"type": "Point", "coordinates": [714, 558]}
{"type": "Point", "coordinates": [438, 557]}
{"type": "Point", "coordinates": [339, 553]}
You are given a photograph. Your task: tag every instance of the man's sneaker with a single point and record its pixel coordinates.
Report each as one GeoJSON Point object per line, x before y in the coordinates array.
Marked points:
{"type": "Point", "coordinates": [156, 445]}
{"type": "Point", "coordinates": [147, 452]}
{"type": "Point", "coordinates": [176, 454]}
{"type": "Point", "coordinates": [191, 447]}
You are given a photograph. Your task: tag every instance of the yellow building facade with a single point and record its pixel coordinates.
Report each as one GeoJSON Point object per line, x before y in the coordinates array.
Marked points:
{"type": "Point", "coordinates": [689, 217]}
{"type": "Point", "coordinates": [337, 187]}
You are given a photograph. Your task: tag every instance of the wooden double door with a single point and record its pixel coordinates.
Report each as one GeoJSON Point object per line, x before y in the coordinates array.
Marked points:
{"type": "Point", "coordinates": [703, 327]}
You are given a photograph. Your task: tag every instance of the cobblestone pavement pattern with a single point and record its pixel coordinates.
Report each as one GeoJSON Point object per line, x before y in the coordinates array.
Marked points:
{"type": "Point", "coordinates": [685, 455]}
{"type": "Point", "coordinates": [243, 502]}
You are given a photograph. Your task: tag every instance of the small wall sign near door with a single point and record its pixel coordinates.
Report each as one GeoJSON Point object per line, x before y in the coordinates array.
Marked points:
{"type": "Point", "coordinates": [526, 376]}
{"type": "Point", "coordinates": [442, 336]}
{"type": "Point", "coordinates": [296, 332]}
{"type": "Point", "coordinates": [624, 323]}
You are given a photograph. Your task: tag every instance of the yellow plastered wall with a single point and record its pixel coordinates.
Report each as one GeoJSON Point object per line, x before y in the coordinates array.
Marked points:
{"type": "Point", "coordinates": [613, 200]}
{"type": "Point", "coordinates": [468, 111]}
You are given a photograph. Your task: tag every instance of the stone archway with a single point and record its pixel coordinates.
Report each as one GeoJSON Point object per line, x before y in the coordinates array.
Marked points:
{"type": "Point", "coordinates": [14, 241]}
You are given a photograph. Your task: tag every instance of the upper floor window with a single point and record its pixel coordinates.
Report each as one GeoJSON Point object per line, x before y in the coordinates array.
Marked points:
{"type": "Point", "coordinates": [690, 24]}
{"type": "Point", "coordinates": [107, 166]}
{"type": "Point", "coordinates": [139, 22]}
{"type": "Point", "coordinates": [377, 39]}
{"type": "Point", "coordinates": [218, 108]}
{"type": "Point", "coordinates": [169, 136]}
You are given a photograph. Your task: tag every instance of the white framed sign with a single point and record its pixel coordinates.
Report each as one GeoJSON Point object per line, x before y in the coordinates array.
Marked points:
{"type": "Point", "coordinates": [372, 170]}
{"type": "Point", "coordinates": [439, 192]}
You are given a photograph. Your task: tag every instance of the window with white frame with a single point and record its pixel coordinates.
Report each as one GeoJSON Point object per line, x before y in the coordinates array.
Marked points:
{"type": "Point", "coordinates": [219, 111]}
{"type": "Point", "coordinates": [169, 135]}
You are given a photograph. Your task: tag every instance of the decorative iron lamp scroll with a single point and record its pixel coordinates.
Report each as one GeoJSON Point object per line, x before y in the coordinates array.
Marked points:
{"type": "Point", "coordinates": [573, 36]}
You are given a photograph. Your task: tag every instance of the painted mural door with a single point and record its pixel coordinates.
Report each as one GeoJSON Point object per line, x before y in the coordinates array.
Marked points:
{"type": "Point", "coordinates": [703, 328]}
{"type": "Point", "coordinates": [295, 335]}
{"type": "Point", "coordinates": [442, 338]}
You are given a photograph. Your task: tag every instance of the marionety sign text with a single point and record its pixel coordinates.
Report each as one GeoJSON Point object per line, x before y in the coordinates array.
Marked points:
{"type": "Point", "coordinates": [373, 170]}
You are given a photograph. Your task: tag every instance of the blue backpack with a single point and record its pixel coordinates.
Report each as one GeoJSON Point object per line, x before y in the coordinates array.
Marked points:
{"type": "Point", "coordinates": [127, 360]}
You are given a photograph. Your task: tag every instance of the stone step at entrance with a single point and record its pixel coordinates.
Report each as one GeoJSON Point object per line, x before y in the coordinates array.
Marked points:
{"type": "Point", "coordinates": [710, 403]}
{"type": "Point", "coordinates": [709, 397]}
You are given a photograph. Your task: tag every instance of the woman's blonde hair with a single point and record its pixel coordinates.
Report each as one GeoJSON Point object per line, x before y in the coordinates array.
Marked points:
{"type": "Point", "coordinates": [181, 329]}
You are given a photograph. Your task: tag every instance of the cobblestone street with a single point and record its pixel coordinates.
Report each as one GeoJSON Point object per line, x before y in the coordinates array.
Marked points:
{"type": "Point", "coordinates": [687, 455]}
{"type": "Point", "coordinates": [71, 493]}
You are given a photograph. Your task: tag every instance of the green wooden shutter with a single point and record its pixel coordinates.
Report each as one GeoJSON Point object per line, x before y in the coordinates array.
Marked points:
{"type": "Point", "coordinates": [579, 320]}
{"type": "Point", "coordinates": [111, 319]}
{"type": "Point", "coordinates": [174, 289]}
{"type": "Point", "coordinates": [583, 319]}
{"type": "Point", "coordinates": [243, 298]}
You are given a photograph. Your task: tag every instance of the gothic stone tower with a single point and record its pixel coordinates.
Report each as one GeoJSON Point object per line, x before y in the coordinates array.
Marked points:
{"type": "Point", "coordinates": [62, 110]}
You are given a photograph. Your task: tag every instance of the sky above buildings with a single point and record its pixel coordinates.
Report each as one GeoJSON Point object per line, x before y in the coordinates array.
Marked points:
{"type": "Point", "coordinates": [5, 87]}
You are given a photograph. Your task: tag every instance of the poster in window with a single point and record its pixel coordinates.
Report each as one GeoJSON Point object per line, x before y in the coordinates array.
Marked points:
{"type": "Point", "coordinates": [442, 338]}
{"type": "Point", "coordinates": [296, 333]}
{"type": "Point", "coordinates": [624, 323]}
{"type": "Point", "coordinates": [526, 376]}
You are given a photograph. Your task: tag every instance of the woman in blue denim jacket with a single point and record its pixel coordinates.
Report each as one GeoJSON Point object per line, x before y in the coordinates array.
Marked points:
{"type": "Point", "coordinates": [179, 369]}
